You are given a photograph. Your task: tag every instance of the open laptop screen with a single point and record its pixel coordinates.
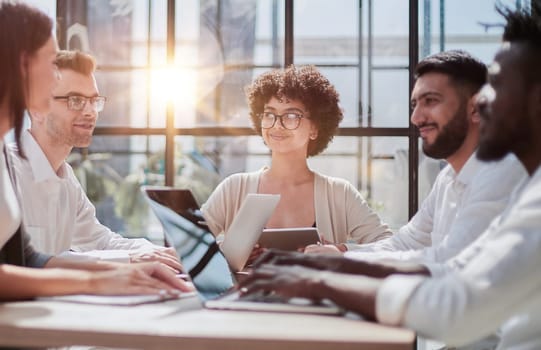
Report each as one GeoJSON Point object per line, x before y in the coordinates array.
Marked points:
{"type": "Point", "coordinates": [181, 201]}
{"type": "Point", "coordinates": [201, 256]}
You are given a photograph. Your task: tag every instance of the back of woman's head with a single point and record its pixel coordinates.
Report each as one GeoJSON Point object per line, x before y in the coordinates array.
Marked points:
{"type": "Point", "coordinates": [23, 31]}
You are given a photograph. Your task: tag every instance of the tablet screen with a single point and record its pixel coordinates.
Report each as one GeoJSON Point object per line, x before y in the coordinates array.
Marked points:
{"type": "Point", "coordinates": [288, 238]}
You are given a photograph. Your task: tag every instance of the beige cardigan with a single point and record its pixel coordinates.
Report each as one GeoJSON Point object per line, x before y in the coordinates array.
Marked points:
{"type": "Point", "coordinates": [342, 214]}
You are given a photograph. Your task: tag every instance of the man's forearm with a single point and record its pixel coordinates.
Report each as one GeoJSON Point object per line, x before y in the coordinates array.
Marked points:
{"type": "Point", "coordinates": [383, 268]}
{"type": "Point", "coordinates": [353, 293]}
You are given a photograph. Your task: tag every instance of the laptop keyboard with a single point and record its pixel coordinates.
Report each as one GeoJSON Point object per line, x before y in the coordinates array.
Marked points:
{"type": "Point", "coordinates": [264, 298]}
{"type": "Point", "coordinates": [261, 297]}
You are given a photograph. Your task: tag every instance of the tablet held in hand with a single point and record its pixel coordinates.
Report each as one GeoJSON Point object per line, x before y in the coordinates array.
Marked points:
{"type": "Point", "coordinates": [292, 238]}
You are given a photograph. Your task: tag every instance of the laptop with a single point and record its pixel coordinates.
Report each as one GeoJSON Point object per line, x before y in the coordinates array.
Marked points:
{"type": "Point", "coordinates": [180, 200]}
{"type": "Point", "coordinates": [243, 233]}
{"type": "Point", "coordinates": [211, 274]}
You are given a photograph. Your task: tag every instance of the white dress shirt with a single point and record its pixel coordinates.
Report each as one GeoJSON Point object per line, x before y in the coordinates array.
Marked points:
{"type": "Point", "coordinates": [10, 214]}
{"type": "Point", "coordinates": [494, 281]}
{"type": "Point", "coordinates": [457, 210]}
{"type": "Point", "coordinates": [57, 214]}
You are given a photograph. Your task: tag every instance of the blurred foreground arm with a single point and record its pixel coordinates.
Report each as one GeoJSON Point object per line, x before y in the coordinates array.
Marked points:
{"type": "Point", "coordinates": [106, 279]}
{"type": "Point", "coordinates": [355, 293]}
{"type": "Point", "coordinates": [340, 264]}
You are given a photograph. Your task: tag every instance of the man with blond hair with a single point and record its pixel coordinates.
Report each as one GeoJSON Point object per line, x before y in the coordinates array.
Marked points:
{"type": "Point", "coordinates": [57, 214]}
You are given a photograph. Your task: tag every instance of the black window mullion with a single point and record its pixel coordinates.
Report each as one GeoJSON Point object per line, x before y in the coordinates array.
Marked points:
{"type": "Point", "coordinates": [288, 37]}
{"type": "Point", "coordinates": [413, 174]}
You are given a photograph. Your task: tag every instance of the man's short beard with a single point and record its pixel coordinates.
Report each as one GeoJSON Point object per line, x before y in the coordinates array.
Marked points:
{"type": "Point", "coordinates": [451, 136]}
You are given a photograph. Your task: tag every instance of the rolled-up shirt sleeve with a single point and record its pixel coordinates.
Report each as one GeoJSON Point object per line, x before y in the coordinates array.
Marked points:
{"type": "Point", "coordinates": [393, 297]}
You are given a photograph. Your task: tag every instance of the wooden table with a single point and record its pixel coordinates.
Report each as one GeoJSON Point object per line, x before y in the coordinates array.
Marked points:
{"type": "Point", "coordinates": [183, 324]}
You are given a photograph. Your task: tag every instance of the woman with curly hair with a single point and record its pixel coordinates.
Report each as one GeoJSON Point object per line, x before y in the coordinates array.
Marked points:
{"type": "Point", "coordinates": [296, 112]}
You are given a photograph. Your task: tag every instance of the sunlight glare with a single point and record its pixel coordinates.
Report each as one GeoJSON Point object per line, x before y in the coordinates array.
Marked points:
{"type": "Point", "coordinates": [173, 84]}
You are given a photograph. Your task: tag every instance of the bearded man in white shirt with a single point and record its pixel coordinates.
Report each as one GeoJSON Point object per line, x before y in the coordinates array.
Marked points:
{"type": "Point", "coordinates": [492, 284]}
{"type": "Point", "coordinates": [57, 214]}
{"type": "Point", "coordinates": [467, 193]}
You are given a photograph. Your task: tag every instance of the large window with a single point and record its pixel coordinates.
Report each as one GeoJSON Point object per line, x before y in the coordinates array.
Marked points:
{"type": "Point", "coordinates": [174, 73]}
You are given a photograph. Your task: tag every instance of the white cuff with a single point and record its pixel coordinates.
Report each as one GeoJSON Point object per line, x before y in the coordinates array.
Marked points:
{"type": "Point", "coordinates": [392, 298]}
{"type": "Point", "coordinates": [116, 255]}
{"type": "Point", "coordinates": [368, 256]}
{"type": "Point", "coordinates": [76, 256]}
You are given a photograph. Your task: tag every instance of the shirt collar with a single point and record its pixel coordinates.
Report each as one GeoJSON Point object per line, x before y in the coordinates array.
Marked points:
{"type": "Point", "coordinates": [41, 168]}
{"type": "Point", "coordinates": [469, 170]}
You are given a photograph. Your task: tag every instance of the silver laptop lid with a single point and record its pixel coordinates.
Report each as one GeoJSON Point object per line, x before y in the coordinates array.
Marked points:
{"type": "Point", "coordinates": [249, 222]}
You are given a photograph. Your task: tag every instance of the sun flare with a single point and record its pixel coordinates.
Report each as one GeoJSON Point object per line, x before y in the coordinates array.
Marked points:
{"type": "Point", "coordinates": [173, 84]}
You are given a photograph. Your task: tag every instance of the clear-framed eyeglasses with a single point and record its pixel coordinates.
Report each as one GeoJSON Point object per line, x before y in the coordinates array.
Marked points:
{"type": "Point", "coordinates": [78, 102]}
{"type": "Point", "coordinates": [289, 121]}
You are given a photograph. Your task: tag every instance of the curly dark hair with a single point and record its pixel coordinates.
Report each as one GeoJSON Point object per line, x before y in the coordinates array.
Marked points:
{"type": "Point", "coordinates": [307, 85]}
{"type": "Point", "coordinates": [524, 26]}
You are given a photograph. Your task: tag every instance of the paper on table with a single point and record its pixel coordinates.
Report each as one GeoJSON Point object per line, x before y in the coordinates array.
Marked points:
{"type": "Point", "coordinates": [122, 300]}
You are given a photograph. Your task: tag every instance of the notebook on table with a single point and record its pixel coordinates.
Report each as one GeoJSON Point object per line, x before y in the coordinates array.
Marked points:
{"type": "Point", "coordinates": [116, 300]}
{"type": "Point", "coordinates": [213, 277]}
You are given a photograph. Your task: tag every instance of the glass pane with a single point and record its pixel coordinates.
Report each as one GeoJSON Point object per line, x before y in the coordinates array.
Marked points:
{"type": "Point", "coordinates": [217, 44]}
{"type": "Point", "coordinates": [345, 80]}
{"type": "Point", "coordinates": [390, 98]}
{"type": "Point", "coordinates": [269, 33]}
{"type": "Point", "coordinates": [384, 177]}
{"type": "Point", "coordinates": [390, 30]}
{"type": "Point", "coordinates": [477, 30]}
{"type": "Point", "coordinates": [215, 58]}
{"type": "Point", "coordinates": [223, 105]}
{"type": "Point", "coordinates": [187, 25]}
{"type": "Point", "coordinates": [148, 33]}
{"type": "Point", "coordinates": [111, 174]}
{"type": "Point", "coordinates": [326, 32]}
{"type": "Point", "coordinates": [224, 155]}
